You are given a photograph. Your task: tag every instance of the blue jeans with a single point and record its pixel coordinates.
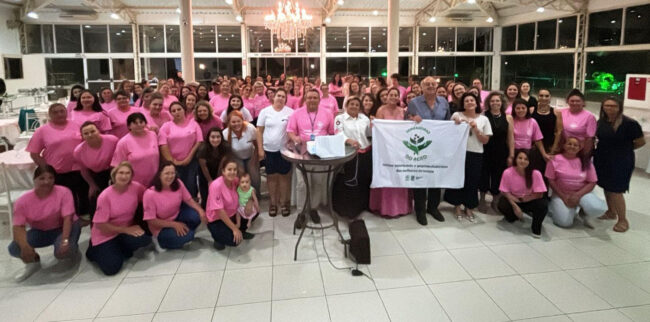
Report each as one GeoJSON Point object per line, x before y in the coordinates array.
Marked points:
{"type": "Point", "coordinates": [167, 238]}
{"type": "Point", "coordinates": [188, 175]}
{"type": "Point", "coordinates": [222, 234]}
{"type": "Point", "coordinates": [110, 255]}
{"type": "Point", "coordinates": [43, 238]}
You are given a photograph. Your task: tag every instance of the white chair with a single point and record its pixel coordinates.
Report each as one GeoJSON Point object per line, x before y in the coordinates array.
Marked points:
{"type": "Point", "coordinates": [32, 122]}
{"type": "Point", "coordinates": [8, 195]}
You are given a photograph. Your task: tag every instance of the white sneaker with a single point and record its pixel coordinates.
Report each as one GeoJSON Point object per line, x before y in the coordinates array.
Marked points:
{"type": "Point", "coordinates": [30, 269]}
{"type": "Point", "coordinates": [156, 247]}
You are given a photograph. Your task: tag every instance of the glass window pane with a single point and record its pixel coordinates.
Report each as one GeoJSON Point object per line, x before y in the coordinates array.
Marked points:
{"type": "Point", "coordinates": [358, 39]}
{"type": "Point", "coordinates": [405, 39]}
{"type": "Point", "coordinates": [68, 39]}
{"type": "Point", "coordinates": [437, 66]}
{"type": "Point", "coordinates": [98, 69]}
{"type": "Point", "coordinates": [427, 41]}
{"type": "Point", "coordinates": [33, 43]}
{"type": "Point", "coordinates": [484, 39]}
{"type": "Point", "coordinates": [259, 39]}
{"type": "Point", "coordinates": [123, 68]}
{"type": "Point", "coordinates": [526, 37]}
{"type": "Point", "coordinates": [378, 38]}
{"type": "Point", "coordinates": [157, 67]}
{"type": "Point", "coordinates": [509, 38]}
{"type": "Point", "coordinates": [378, 67]}
{"type": "Point", "coordinates": [404, 64]}
{"type": "Point", "coordinates": [152, 39]}
{"type": "Point", "coordinates": [567, 36]}
{"type": "Point", "coordinates": [605, 28]}
{"type": "Point", "coordinates": [358, 66]}
{"type": "Point", "coordinates": [554, 71]}
{"type": "Point", "coordinates": [121, 38]}
{"type": "Point", "coordinates": [302, 67]}
{"type": "Point", "coordinates": [230, 67]}
{"type": "Point", "coordinates": [48, 38]}
{"type": "Point", "coordinates": [205, 69]}
{"type": "Point", "coordinates": [465, 39]}
{"type": "Point", "coordinates": [311, 42]}
{"type": "Point", "coordinates": [229, 39]}
{"type": "Point", "coordinates": [336, 65]}
{"type": "Point", "coordinates": [173, 39]}
{"type": "Point", "coordinates": [446, 38]}
{"type": "Point", "coordinates": [469, 68]}
{"type": "Point", "coordinates": [336, 39]}
{"type": "Point", "coordinates": [64, 71]}
{"type": "Point", "coordinates": [95, 38]}
{"type": "Point", "coordinates": [546, 34]}
{"type": "Point", "coordinates": [267, 66]}
{"type": "Point", "coordinates": [637, 20]}
{"type": "Point", "coordinates": [204, 38]}
{"type": "Point", "coordinates": [606, 72]}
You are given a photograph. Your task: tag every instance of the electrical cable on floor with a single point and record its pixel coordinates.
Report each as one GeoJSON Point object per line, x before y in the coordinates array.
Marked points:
{"type": "Point", "coordinates": [355, 271]}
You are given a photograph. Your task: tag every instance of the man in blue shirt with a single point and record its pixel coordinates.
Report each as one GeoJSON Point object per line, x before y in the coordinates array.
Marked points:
{"type": "Point", "coordinates": [428, 107]}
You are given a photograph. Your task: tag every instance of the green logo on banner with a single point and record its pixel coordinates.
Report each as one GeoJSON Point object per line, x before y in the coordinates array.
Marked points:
{"type": "Point", "coordinates": [416, 144]}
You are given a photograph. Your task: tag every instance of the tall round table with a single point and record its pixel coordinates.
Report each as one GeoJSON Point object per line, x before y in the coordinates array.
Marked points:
{"type": "Point", "coordinates": [307, 163]}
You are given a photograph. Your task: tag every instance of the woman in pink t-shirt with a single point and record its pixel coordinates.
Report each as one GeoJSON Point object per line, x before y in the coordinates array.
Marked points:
{"type": "Point", "coordinates": [336, 89]}
{"type": "Point", "coordinates": [260, 100]}
{"type": "Point", "coordinates": [169, 210]}
{"type": "Point", "coordinates": [220, 102]}
{"type": "Point", "coordinates": [526, 131]}
{"type": "Point", "coordinates": [107, 99]}
{"type": "Point", "coordinates": [168, 97]}
{"type": "Point", "coordinates": [144, 101]}
{"type": "Point", "coordinates": [572, 177]}
{"type": "Point", "coordinates": [119, 114]}
{"type": "Point", "coordinates": [578, 122]}
{"type": "Point", "coordinates": [328, 101]}
{"type": "Point", "coordinates": [190, 100]}
{"type": "Point", "coordinates": [223, 202]}
{"type": "Point", "coordinates": [293, 99]}
{"type": "Point", "coordinates": [115, 235]}
{"type": "Point", "coordinates": [156, 116]}
{"type": "Point", "coordinates": [204, 117]}
{"type": "Point", "coordinates": [75, 91]}
{"type": "Point", "coordinates": [512, 93]}
{"type": "Point", "coordinates": [140, 148]}
{"type": "Point", "coordinates": [89, 109]}
{"type": "Point", "coordinates": [48, 209]}
{"type": "Point", "coordinates": [523, 189]}
{"type": "Point", "coordinates": [94, 159]}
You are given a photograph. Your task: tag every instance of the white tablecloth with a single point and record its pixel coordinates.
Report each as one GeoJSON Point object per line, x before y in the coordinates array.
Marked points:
{"type": "Point", "coordinates": [9, 128]}
{"type": "Point", "coordinates": [20, 169]}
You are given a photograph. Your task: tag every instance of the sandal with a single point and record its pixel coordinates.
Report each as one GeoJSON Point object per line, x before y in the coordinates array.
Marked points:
{"type": "Point", "coordinates": [285, 211]}
{"type": "Point", "coordinates": [621, 226]}
{"type": "Point", "coordinates": [273, 211]}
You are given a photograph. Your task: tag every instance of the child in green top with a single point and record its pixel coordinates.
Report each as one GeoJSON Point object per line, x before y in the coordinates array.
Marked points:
{"type": "Point", "coordinates": [248, 205]}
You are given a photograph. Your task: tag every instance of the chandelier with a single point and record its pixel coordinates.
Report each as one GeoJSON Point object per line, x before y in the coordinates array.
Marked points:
{"type": "Point", "coordinates": [283, 48]}
{"type": "Point", "coordinates": [289, 21]}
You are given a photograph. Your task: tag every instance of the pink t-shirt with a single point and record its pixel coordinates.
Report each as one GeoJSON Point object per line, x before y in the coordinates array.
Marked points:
{"type": "Point", "coordinates": [165, 204]}
{"type": "Point", "coordinates": [581, 125]}
{"type": "Point", "coordinates": [46, 213]}
{"type": "Point", "coordinates": [71, 105]}
{"type": "Point", "coordinates": [109, 106]}
{"type": "Point", "coordinates": [248, 103]}
{"type": "Point", "coordinates": [526, 132]}
{"type": "Point", "coordinates": [329, 103]}
{"type": "Point", "coordinates": [568, 173]}
{"type": "Point", "coordinates": [335, 90]}
{"type": "Point", "coordinates": [515, 184]}
{"type": "Point", "coordinates": [221, 197]}
{"type": "Point", "coordinates": [509, 109]}
{"type": "Point", "coordinates": [219, 103]}
{"type": "Point", "coordinates": [118, 120]}
{"type": "Point", "coordinates": [207, 125]}
{"type": "Point", "coordinates": [211, 94]}
{"type": "Point", "coordinates": [180, 138]}
{"type": "Point", "coordinates": [57, 144]}
{"type": "Point", "coordinates": [159, 120]}
{"type": "Point", "coordinates": [142, 152]}
{"type": "Point", "coordinates": [168, 101]}
{"type": "Point", "coordinates": [96, 160]}
{"type": "Point", "coordinates": [115, 208]}
{"type": "Point", "coordinates": [259, 103]}
{"type": "Point", "coordinates": [100, 119]}
{"type": "Point", "coordinates": [300, 123]}
{"type": "Point", "coordinates": [293, 101]}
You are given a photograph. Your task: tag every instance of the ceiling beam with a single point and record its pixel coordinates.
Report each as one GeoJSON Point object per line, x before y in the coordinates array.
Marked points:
{"type": "Point", "coordinates": [34, 5]}
{"type": "Point", "coordinates": [489, 9]}
{"type": "Point", "coordinates": [331, 8]}
{"type": "Point", "coordinates": [237, 8]}
{"type": "Point", "coordinates": [112, 6]}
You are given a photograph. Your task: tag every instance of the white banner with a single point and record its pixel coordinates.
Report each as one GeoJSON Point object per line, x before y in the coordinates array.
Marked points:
{"type": "Point", "coordinates": [430, 154]}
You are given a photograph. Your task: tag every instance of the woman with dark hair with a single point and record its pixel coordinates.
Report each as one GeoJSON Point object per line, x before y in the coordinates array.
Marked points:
{"type": "Point", "coordinates": [246, 96]}
{"type": "Point", "coordinates": [75, 91]}
{"type": "Point", "coordinates": [524, 89]}
{"type": "Point", "coordinates": [498, 152]}
{"type": "Point", "coordinates": [526, 131]}
{"type": "Point", "coordinates": [202, 93]}
{"type": "Point", "coordinates": [137, 92]}
{"type": "Point", "coordinates": [550, 124]}
{"type": "Point", "coordinates": [89, 109]}
{"type": "Point", "coordinates": [618, 137]}
{"type": "Point", "coordinates": [169, 210]}
{"type": "Point", "coordinates": [119, 114]}
{"type": "Point", "coordinates": [522, 188]}
{"type": "Point", "coordinates": [190, 101]}
{"type": "Point", "coordinates": [293, 98]}
{"type": "Point", "coordinates": [179, 140]}
{"type": "Point", "coordinates": [184, 91]}
{"type": "Point", "coordinates": [213, 149]}
{"type": "Point", "coordinates": [578, 122]}
{"type": "Point", "coordinates": [512, 93]}
{"type": "Point", "coordinates": [269, 81]}
{"type": "Point", "coordinates": [106, 99]}
{"type": "Point", "coordinates": [140, 148]}
{"type": "Point", "coordinates": [480, 132]}
{"type": "Point", "coordinates": [449, 86]}
{"type": "Point", "coordinates": [235, 103]}
{"type": "Point", "coordinates": [145, 100]}
{"type": "Point", "coordinates": [49, 211]}
{"type": "Point", "coordinates": [336, 89]}
{"type": "Point", "coordinates": [115, 235]}
{"type": "Point", "coordinates": [381, 99]}
{"type": "Point", "coordinates": [456, 93]}
{"type": "Point", "coordinates": [354, 90]}
{"type": "Point", "coordinates": [215, 89]}
{"type": "Point", "coordinates": [368, 105]}
{"type": "Point", "coordinates": [572, 177]}
{"type": "Point", "coordinates": [441, 91]}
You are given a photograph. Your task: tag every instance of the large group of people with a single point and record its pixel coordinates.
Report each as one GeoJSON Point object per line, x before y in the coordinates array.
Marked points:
{"type": "Point", "coordinates": [151, 162]}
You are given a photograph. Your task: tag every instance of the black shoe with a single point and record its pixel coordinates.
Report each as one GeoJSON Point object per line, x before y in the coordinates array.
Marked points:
{"type": "Point", "coordinates": [315, 218]}
{"type": "Point", "coordinates": [435, 213]}
{"type": "Point", "coordinates": [422, 219]}
{"type": "Point", "coordinates": [248, 235]}
{"type": "Point", "coordinates": [219, 246]}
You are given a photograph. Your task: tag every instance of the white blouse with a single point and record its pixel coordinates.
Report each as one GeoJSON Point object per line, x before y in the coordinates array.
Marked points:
{"type": "Point", "coordinates": [355, 128]}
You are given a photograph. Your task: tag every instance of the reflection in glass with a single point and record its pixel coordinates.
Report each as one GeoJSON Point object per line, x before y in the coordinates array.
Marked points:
{"type": "Point", "coordinates": [483, 39]}
{"type": "Point", "coordinates": [152, 39]}
{"type": "Point", "coordinates": [605, 28]}
{"type": "Point", "coordinates": [68, 39]}
{"type": "Point", "coordinates": [358, 39]}
{"type": "Point", "coordinates": [64, 71]}
{"type": "Point", "coordinates": [229, 39]}
{"type": "Point", "coordinates": [567, 32]}
{"type": "Point", "coordinates": [378, 67]}
{"type": "Point", "coordinates": [123, 68]}
{"type": "Point", "coordinates": [98, 69]}
{"type": "Point", "coordinates": [204, 39]}
{"type": "Point", "coordinates": [405, 38]}
{"type": "Point", "coordinates": [173, 39]}
{"type": "Point", "coordinates": [637, 20]}
{"type": "Point", "coordinates": [554, 71]}
{"type": "Point", "coordinates": [155, 66]}
{"type": "Point", "coordinates": [311, 42]}
{"type": "Point", "coordinates": [259, 39]}
{"type": "Point", "coordinates": [465, 41]}
{"type": "Point", "coordinates": [378, 39]}
{"type": "Point", "coordinates": [526, 36]}
{"type": "Point", "coordinates": [48, 38]}
{"type": "Point", "coordinates": [336, 39]}
{"type": "Point", "coordinates": [606, 72]}
{"type": "Point", "coordinates": [509, 38]}
{"type": "Point", "coordinates": [427, 39]}
{"type": "Point", "coordinates": [546, 34]}
{"type": "Point", "coordinates": [446, 38]}
{"type": "Point", "coordinates": [121, 38]}
{"type": "Point", "coordinates": [33, 43]}
{"type": "Point", "coordinates": [95, 38]}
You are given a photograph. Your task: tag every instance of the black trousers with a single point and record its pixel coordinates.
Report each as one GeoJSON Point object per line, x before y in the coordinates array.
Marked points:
{"type": "Point", "coordinates": [79, 187]}
{"type": "Point", "coordinates": [102, 180]}
{"type": "Point", "coordinates": [426, 200]}
{"type": "Point", "coordinates": [468, 194]}
{"type": "Point", "coordinates": [222, 234]}
{"type": "Point", "coordinates": [491, 175]}
{"type": "Point", "coordinates": [535, 208]}
{"type": "Point", "coordinates": [352, 186]}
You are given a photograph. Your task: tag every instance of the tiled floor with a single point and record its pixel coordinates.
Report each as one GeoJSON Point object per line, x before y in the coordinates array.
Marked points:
{"type": "Point", "coordinates": [451, 271]}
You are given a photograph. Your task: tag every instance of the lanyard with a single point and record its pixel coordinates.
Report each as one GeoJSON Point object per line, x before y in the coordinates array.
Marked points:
{"type": "Point", "coordinates": [312, 121]}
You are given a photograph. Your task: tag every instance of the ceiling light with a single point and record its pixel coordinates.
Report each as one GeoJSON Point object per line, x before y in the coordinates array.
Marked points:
{"type": "Point", "coordinates": [86, 26]}
{"type": "Point", "coordinates": [490, 19]}
{"type": "Point", "coordinates": [471, 1]}
{"type": "Point", "coordinates": [375, 12]}
{"type": "Point", "coordinates": [328, 20]}
{"type": "Point", "coordinates": [178, 10]}
{"type": "Point", "coordinates": [201, 66]}
{"type": "Point", "coordinates": [228, 1]}
{"type": "Point", "coordinates": [432, 19]}
{"type": "Point", "coordinates": [341, 2]}
{"type": "Point", "coordinates": [540, 9]}
{"type": "Point", "coordinates": [32, 15]}
{"type": "Point", "coordinates": [115, 16]}
{"type": "Point", "coordinates": [239, 18]}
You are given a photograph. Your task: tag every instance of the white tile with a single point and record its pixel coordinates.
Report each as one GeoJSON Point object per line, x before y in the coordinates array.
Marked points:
{"type": "Point", "coordinates": [566, 293]}
{"type": "Point", "coordinates": [466, 301]}
{"type": "Point", "coordinates": [203, 259]}
{"type": "Point", "coordinates": [192, 291]}
{"type": "Point", "coordinates": [255, 312]}
{"type": "Point", "coordinates": [498, 233]}
{"type": "Point", "coordinates": [8, 269]}
{"type": "Point", "coordinates": [295, 281]}
{"type": "Point", "coordinates": [412, 304]}
{"type": "Point", "coordinates": [257, 252]}
{"type": "Point", "coordinates": [25, 303]}
{"type": "Point", "coordinates": [564, 254]}
{"type": "Point", "coordinates": [341, 281]}
{"type": "Point", "coordinates": [481, 262]}
{"type": "Point", "coordinates": [283, 250]}
{"type": "Point", "coordinates": [638, 274]}
{"type": "Point", "coordinates": [633, 242]}
{"type": "Point", "coordinates": [610, 286]}
{"type": "Point", "coordinates": [245, 286]}
{"type": "Point", "coordinates": [79, 301]}
{"type": "Point", "coordinates": [91, 273]}
{"type": "Point", "coordinates": [127, 318]}
{"type": "Point", "coordinates": [417, 240]}
{"type": "Point", "coordinates": [374, 223]}
{"type": "Point", "coordinates": [524, 259]}
{"type": "Point", "coordinates": [439, 267]}
{"type": "Point", "coordinates": [453, 237]}
{"type": "Point", "coordinates": [384, 243]}
{"type": "Point", "coordinates": [333, 246]}
{"type": "Point", "coordinates": [517, 298]}
{"type": "Point", "coordinates": [600, 316]}
{"type": "Point", "coordinates": [394, 271]}
{"type": "Point", "coordinates": [137, 295]}
{"type": "Point", "coordinates": [283, 227]}
{"type": "Point", "coordinates": [198, 315]}
{"type": "Point", "coordinates": [155, 264]}
{"type": "Point", "coordinates": [637, 313]}
{"type": "Point", "coordinates": [313, 309]}
{"type": "Point", "coordinates": [403, 222]}
{"type": "Point", "coordinates": [366, 306]}
{"type": "Point", "coordinates": [604, 251]}
{"type": "Point", "coordinates": [557, 318]}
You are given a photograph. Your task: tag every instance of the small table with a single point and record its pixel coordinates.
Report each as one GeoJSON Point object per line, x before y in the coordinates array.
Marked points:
{"type": "Point", "coordinates": [298, 155]}
{"type": "Point", "coordinates": [19, 169]}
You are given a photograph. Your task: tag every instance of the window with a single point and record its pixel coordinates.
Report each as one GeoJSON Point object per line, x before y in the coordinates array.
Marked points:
{"type": "Point", "coordinates": [161, 68]}
{"type": "Point", "coordinates": [378, 67]}
{"type": "Point", "coordinates": [336, 65]}
{"type": "Point", "coordinates": [358, 39]}
{"type": "Point", "coordinates": [206, 69]}
{"type": "Point", "coordinates": [546, 34]}
{"type": "Point", "coordinates": [404, 64]}
{"type": "Point", "coordinates": [98, 69]}
{"type": "Point", "coordinates": [465, 41]}
{"type": "Point", "coordinates": [267, 66]}
{"type": "Point", "coordinates": [173, 39]}
{"type": "Point", "coordinates": [123, 69]}
{"type": "Point", "coordinates": [152, 39]}
{"type": "Point", "coordinates": [466, 67]}
{"type": "Point", "coordinates": [259, 39]}
{"type": "Point", "coordinates": [204, 37]}
{"type": "Point", "coordinates": [378, 38]}
{"type": "Point", "coordinates": [438, 66]}
{"type": "Point", "coordinates": [302, 67]}
{"type": "Point", "coordinates": [48, 38]}
{"type": "Point", "coordinates": [427, 39]}
{"type": "Point", "coordinates": [567, 32]}
{"type": "Point", "coordinates": [526, 36]}
{"type": "Point", "coordinates": [68, 39]}
{"type": "Point", "coordinates": [405, 39]}
{"type": "Point", "coordinates": [64, 71]}
{"type": "Point", "coordinates": [605, 28]}
{"type": "Point", "coordinates": [637, 20]}
{"type": "Point", "coordinates": [229, 39]}
{"type": "Point", "coordinates": [554, 71]}
{"type": "Point", "coordinates": [230, 66]}
{"type": "Point", "coordinates": [484, 39]}
{"type": "Point", "coordinates": [310, 42]}
{"type": "Point", "coordinates": [342, 65]}
{"type": "Point", "coordinates": [606, 72]}
{"type": "Point", "coordinates": [336, 39]}
{"type": "Point", "coordinates": [33, 43]}
{"type": "Point", "coordinates": [446, 38]}
{"type": "Point", "coordinates": [509, 38]}
{"type": "Point", "coordinates": [95, 38]}
{"type": "Point", "coordinates": [13, 68]}
{"type": "Point", "coordinates": [121, 38]}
